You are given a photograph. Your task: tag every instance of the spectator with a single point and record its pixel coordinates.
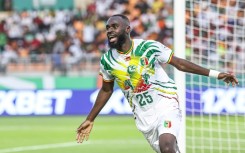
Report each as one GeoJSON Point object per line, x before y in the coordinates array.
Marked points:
{"type": "Point", "coordinates": [9, 55]}
{"type": "Point", "coordinates": [73, 54]}
{"type": "Point", "coordinates": [58, 54]}
{"type": "Point", "coordinates": [3, 41]}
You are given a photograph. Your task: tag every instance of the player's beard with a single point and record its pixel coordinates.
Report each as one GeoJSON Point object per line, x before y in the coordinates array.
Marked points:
{"type": "Point", "coordinates": [121, 39]}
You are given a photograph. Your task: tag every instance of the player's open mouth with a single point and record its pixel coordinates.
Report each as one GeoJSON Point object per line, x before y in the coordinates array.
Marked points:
{"type": "Point", "coordinates": [112, 38]}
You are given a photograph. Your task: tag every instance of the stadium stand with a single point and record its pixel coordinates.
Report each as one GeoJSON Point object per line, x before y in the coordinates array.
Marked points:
{"type": "Point", "coordinates": [72, 40]}
{"type": "Point", "coordinates": [66, 40]}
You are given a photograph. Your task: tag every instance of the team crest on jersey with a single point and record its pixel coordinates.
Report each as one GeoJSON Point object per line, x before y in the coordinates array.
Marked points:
{"type": "Point", "coordinates": [131, 69]}
{"type": "Point", "coordinates": [167, 124]}
{"type": "Point", "coordinates": [144, 61]}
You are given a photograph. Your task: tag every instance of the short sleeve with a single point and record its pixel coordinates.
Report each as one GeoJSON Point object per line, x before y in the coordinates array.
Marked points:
{"type": "Point", "coordinates": [107, 77]}
{"type": "Point", "coordinates": [164, 54]}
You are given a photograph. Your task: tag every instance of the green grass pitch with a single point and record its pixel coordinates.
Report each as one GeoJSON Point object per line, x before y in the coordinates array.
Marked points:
{"type": "Point", "coordinates": [116, 134]}
{"type": "Point", "coordinates": [57, 135]}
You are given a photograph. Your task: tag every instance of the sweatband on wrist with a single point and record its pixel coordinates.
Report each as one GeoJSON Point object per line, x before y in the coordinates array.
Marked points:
{"type": "Point", "coordinates": [214, 74]}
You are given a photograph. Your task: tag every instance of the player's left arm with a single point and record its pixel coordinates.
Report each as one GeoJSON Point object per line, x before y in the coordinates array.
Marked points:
{"type": "Point", "coordinates": [187, 66]}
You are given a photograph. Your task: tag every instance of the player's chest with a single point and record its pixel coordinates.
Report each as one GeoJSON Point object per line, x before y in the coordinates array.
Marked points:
{"type": "Point", "coordinates": [130, 65]}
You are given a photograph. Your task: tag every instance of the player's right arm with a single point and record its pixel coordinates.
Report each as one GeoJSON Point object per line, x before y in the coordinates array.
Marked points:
{"type": "Point", "coordinates": [85, 128]}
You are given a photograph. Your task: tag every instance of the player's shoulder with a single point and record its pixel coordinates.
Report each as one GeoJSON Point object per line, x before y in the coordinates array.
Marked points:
{"type": "Point", "coordinates": [105, 56]}
{"type": "Point", "coordinates": [107, 52]}
{"type": "Point", "coordinates": [142, 40]}
{"type": "Point", "coordinates": [158, 44]}
{"type": "Point", "coordinates": [139, 41]}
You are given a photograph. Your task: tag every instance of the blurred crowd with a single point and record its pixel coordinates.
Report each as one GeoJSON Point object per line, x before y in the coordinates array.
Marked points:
{"type": "Point", "coordinates": [65, 38]}
{"type": "Point", "coordinates": [70, 36]}
{"type": "Point", "coordinates": [215, 33]}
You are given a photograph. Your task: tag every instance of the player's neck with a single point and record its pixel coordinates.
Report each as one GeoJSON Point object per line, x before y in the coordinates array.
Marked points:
{"type": "Point", "coordinates": [126, 47]}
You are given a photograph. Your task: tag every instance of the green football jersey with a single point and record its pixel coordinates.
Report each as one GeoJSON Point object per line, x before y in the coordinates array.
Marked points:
{"type": "Point", "coordinates": [139, 73]}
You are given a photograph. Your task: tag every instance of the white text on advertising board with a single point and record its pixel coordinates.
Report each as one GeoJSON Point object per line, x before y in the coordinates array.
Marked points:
{"type": "Point", "coordinates": [230, 100]}
{"type": "Point", "coordinates": [28, 102]}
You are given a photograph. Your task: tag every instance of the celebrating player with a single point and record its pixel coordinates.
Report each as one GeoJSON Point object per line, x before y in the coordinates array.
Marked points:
{"type": "Point", "coordinates": [135, 64]}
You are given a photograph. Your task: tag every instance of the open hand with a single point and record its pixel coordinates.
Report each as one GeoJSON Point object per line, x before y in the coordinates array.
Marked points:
{"type": "Point", "coordinates": [228, 78]}
{"type": "Point", "coordinates": [83, 131]}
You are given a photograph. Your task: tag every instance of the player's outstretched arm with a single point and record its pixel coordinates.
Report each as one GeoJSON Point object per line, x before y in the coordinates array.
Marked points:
{"type": "Point", "coordinates": [85, 128]}
{"type": "Point", "coordinates": [187, 66]}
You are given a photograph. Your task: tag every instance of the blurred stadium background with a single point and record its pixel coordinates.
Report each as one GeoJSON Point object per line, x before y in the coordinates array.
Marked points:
{"type": "Point", "coordinates": [49, 63]}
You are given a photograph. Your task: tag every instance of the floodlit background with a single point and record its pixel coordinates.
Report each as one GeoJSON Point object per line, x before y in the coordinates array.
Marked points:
{"type": "Point", "coordinates": [49, 63]}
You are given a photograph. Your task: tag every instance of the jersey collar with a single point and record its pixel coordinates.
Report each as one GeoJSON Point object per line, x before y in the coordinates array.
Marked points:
{"type": "Point", "coordinates": [130, 49]}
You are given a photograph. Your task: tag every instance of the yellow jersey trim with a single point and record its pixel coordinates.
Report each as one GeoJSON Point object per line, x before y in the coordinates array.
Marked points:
{"type": "Point", "coordinates": [170, 58]}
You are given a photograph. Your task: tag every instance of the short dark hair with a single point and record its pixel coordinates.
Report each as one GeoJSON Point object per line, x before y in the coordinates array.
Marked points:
{"type": "Point", "coordinates": [124, 17]}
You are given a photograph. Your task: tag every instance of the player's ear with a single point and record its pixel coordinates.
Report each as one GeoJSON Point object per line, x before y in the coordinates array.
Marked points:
{"type": "Point", "coordinates": [128, 29]}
